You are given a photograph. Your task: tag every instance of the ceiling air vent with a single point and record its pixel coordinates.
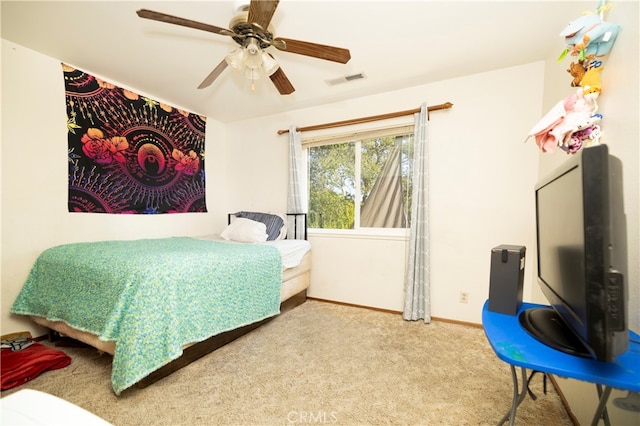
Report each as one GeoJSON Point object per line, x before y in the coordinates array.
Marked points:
{"type": "Point", "coordinates": [345, 79]}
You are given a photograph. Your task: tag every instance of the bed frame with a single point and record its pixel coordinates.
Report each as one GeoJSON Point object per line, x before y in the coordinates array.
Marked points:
{"type": "Point", "coordinates": [196, 351]}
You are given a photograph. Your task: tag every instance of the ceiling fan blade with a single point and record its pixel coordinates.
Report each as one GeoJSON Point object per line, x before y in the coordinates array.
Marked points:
{"type": "Point", "coordinates": [320, 51]}
{"type": "Point", "coordinates": [163, 17]}
{"type": "Point", "coordinates": [281, 82]}
{"type": "Point", "coordinates": [213, 75]}
{"type": "Point", "coordinates": [261, 12]}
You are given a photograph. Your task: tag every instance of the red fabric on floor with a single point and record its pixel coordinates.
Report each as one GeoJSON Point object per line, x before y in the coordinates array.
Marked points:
{"type": "Point", "coordinates": [22, 366]}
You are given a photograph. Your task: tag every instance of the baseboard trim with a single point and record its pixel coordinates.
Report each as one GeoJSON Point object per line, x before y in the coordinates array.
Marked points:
{"type": "Point", "coordinates": [452, 321]}
{"type": "Point", "coordinates": [390, 311]}
{"type": "Point", "coordinates": [354, 305]}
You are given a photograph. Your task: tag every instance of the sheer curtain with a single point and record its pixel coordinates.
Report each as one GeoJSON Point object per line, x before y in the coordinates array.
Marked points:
{"type": "Point", "coordinates": [297, 201]}
{"type": "Point", "coordinates": [384, 207]}
{"type": "Point", "coordinates": [417, 285]}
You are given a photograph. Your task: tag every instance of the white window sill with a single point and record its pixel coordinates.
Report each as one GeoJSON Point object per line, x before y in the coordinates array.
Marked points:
{"type": "Point", "coordinates": [368, 233]}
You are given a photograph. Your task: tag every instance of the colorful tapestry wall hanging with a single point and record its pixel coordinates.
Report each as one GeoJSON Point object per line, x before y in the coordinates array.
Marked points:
{"type": "Point", "coordinates": [131, 154]}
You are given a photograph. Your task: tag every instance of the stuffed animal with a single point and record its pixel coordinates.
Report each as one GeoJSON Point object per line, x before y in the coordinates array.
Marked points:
{"type": "Point", "coordinates": [592, 86]}
{"type": "Point", "coordinates": [588, 136]}
{"type": "Point", "coordinates": [591, 83]}
{"type": "Point", "coordinates": [589, 37]}
{"type": "Point", "coordinates": [577, 71]}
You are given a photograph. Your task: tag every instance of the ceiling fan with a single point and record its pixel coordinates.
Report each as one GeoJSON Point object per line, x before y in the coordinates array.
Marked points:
{"type": "Point", "coordinates": [252, 31]}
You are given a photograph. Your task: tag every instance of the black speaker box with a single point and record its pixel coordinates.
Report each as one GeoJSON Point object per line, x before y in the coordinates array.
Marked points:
{"type": "Point", "coordinates": [507, 277]}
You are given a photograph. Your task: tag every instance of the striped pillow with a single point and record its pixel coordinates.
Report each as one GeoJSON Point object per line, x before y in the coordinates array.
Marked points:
{"type": "Point", "coordinates": [276, 225]}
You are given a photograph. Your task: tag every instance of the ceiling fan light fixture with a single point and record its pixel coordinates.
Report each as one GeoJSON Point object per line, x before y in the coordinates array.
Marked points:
{"type": "Point", "coordinates": [235, 59]}
{"type": "Point", "coordinates": [252, 60]}
{"type": "Point", "coordinates": [252, 73]}
{"type": "Point", "coordinates": [252, 54]}
{"type": "Point", "coordinates": [269, 65]}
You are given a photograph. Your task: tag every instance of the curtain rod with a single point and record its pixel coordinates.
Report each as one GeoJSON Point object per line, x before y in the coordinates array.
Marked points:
{"type": "Point", "coordinates": [445, 105]}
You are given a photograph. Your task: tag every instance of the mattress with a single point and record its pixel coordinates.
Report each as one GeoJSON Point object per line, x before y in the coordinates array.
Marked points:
{"type": "Point", "coordinates": [296, 263]}
{"type": "Point", "coordinates": [292, 251]}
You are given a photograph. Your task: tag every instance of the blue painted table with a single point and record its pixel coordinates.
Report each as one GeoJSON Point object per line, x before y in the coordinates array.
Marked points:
{"type": "Point", "coordinates": [515, 346]}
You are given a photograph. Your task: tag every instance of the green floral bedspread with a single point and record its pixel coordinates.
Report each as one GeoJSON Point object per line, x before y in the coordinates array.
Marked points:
{"type": "Point", "coordinates": [153, 296]}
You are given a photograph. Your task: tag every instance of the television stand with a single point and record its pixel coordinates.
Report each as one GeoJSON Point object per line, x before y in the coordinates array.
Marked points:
{"type": "Point", "coordinates": [515, 346]}
{"type": "Point", "coordinates": [545, 325]}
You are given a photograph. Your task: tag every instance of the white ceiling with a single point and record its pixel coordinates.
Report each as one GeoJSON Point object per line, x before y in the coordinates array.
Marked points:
{"type": "Point", "coordinates": [394, 43]}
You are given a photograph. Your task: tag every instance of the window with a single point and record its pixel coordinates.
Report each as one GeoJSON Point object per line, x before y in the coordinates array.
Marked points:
{"type": "Point", "coordinates": [361, 180]}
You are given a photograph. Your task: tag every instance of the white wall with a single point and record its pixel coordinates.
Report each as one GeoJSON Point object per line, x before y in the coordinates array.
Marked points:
{"type": "Point", "coordinates": [34, 178]}
{"type": "Point", "coordinates": [482, 176]}
{"type": "Point", "coordinates": [620, 105]}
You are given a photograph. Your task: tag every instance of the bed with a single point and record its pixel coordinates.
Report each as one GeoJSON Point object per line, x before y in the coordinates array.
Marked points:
{"type": "Point", "coordinates": [157, 305]}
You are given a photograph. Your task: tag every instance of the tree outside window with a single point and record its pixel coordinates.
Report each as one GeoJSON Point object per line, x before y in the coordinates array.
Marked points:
{"type": "Point", "coordinates": [361, 184]}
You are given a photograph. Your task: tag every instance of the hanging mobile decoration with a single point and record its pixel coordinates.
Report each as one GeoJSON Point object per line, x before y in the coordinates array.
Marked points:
{"type": "Point", "coordinates": [574, 122]}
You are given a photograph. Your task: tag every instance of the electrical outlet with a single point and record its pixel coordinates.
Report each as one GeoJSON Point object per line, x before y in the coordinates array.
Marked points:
{"type": "Point", "coordinates": [464, 297]}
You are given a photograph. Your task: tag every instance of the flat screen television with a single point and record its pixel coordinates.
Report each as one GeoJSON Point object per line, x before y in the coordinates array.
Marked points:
{"type": "Point", "coordinates": [582, 257]}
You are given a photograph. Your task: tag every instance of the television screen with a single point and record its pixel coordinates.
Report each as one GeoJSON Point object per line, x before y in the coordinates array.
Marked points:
{"type": "Point", "coordinates": [561, 245]}
{"type": "Point", "coordinates": [581, 246]}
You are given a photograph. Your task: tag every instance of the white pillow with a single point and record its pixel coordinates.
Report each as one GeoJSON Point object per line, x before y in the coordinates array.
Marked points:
{"type": "Point", "coordinates": [276, 223]}
{"type": "Point", "coordinates": [245, 231]}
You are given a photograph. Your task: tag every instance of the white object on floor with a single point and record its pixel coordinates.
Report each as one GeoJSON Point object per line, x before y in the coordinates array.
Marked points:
{"type": "Point", "coordinates": [31, 407]}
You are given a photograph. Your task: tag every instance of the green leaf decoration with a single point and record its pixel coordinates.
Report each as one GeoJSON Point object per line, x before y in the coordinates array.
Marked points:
{"type": "Point", "coordinates": [563, 54]}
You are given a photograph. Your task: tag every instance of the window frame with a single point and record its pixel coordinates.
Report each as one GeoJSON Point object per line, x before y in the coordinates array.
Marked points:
{"type": "Point", "coordinates": [357, 137]}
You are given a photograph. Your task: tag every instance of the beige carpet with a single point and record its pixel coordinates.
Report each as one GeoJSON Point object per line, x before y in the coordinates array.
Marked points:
{"type": "Point", "coordinates": [320, 363]}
